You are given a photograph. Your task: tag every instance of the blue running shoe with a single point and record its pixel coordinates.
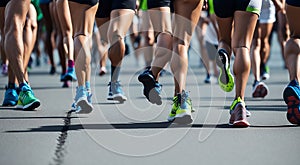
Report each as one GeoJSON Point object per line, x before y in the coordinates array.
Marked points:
{"type": "Point", "coordinates": [81, 103]}
{"type": "Point", "coordinates": [152, 88]}
{"type": "Point", "coordinates": [116, 92]}
{"type": "Point", "coordinates": [11, 97]}
{"type": "Point", "coordinates": [291, 96]}
{"type": "Point", "coordinates": [70, 75]}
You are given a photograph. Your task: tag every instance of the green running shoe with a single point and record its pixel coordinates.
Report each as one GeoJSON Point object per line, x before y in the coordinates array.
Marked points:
{"type": "Point", "coordinates": [181, 109]}
{"type": "Point", "coordinates": [226, 79]}
{"type": "Point", "coordinates": [27, 100]}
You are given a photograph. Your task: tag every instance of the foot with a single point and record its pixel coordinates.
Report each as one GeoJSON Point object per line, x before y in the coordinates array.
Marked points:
{"type": "Point", "coordinates": [181, 109]}
{"type": "Point", "coordinates": [103, 71]}
{"type": "Point", "coordinates": [27, 100]}
{"type": "Point", "coordinates": [52, 70]}
{"type": "Point", "coordinates": [291, 96]}
{"type": "Point", "coordinates": [115, 92]}
{"type": "Point", "coordinates": [226, 80]}
{"type": "Point", "coordinates": [238, 114]}
{"type": "Point", "coordinates": [260, 90]}
{"type": "Point", "coordinates": [81, 102]}
{"type": "Point", "coordinates": [152, 88]}
{"type": "Point", "coordinates": [10, 97]}
{"type": "Point", "coordinates": [70, 75]}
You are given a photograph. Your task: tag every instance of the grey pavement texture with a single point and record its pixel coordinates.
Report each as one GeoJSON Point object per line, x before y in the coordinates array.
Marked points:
{"type": "Point", "coordinates": [136, 132]}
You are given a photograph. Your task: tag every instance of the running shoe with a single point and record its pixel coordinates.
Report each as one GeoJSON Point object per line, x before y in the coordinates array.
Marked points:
{"type": "Point", "coordinates": [4, 69]}
{"type": "Point", "coordinates": [181, 109]}
{"type": "Point", "coordinates": [260, 89]}
{"type": "Point", "coordinates": [81, 103]}
{"type": "Point", "coordinates": [291, 96]}
{"type": "Point", "coordinates": [207, 79]}
{"type": "Point", "coordinates": [226, 80]}
{"type": "Point", "coordinates": [70, 75]}
{"type": "Point", "coordinates": [52, 70]}
{"type": "Point", "coordinates": [238, 114]}
{"type": "Point", "coordinates": [62, 77]}
{"type": "Point", "coordinates": [152, 88]}
{"type": "Point", "coordinates": [102, 71]}
{"type": "Point", "coordinates": [115, 92]}
{"type": "Point", "coordinates": [10, 97]}
{"type": "Point", "coordinates": [265, 72]}
{"type": "Point", "coordinates": [27, 100]}
{"type": "Point", "coordinates": [66, 84]}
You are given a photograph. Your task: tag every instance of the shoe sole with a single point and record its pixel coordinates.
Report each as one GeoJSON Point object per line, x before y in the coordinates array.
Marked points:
{"type": "Point", "coordinates": [240, 124]}
{"type": "Point", "coordinates": [183, 118]}
{"type": "Point", "coordinates": [9, 104]}
{"type": "Point", "coordinates": [31, 106]}
{"type": "Point", "coordinates": [118, 98]}
{"type": "Point", "coordinates": [260, 92]}
{"type": "Point", "coordinates": [293, 103]}
{"type": "Point", "coordinates": [69, 78]}
{"type": "Point", "coordinates": [153, 96]}
{"type": "Point", "coordinates": [85, 107]}
{"type": "Point", "coordinates": [225, 74]}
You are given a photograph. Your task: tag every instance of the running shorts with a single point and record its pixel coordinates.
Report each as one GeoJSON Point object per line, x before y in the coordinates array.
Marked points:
{"type": "Point", "coordinates": [226, 8]}
{"type": "Point", "coordinates": [106, 6]}
{"type": "Point", "coordinates": [295, 3]}
{"type": "Point", "coordinates": [3, 3]}
{"type": "Point", "coordinates": [158, 3]}
{"type": "Point", "coordinates": [45, 1]}
{"type": "Point", "coordinates": [87, 2]}
{"type": "Point", "coordinates": [268, 12]}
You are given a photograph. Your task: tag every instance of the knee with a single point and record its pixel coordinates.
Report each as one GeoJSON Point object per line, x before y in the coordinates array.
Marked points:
{"type": "Point", "coordinates": [292, 47]}
{"type": "Point", "coordinates": [115, 37]}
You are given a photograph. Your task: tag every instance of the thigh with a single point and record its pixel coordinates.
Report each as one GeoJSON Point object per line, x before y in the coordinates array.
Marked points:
{"type": "Point", "coordinates": [187, 14]}
{"type": "Point", "coordinates": [120, 22]}
{"type": "Point", "coordinates": [15, 13]}
{"type": "Point", "coordinates": [161, 19]}
{"type": "Point", "coordinates": [2, 9]}
{"type": "Point", "coordinates": [244, 26]}
{"type": "Point", "coordinates": [83, 17]}
{"type": "Point", "coordinates": [266, 29]}
{"type": "Point", "coordinates": [293, 13]}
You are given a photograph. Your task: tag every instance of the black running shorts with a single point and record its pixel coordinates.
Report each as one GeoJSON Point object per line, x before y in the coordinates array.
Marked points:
{"type": "Point", "coordinates": [3, 3]}
{"type": "Point", "coordinates": [106, 6]}
{"type": "Point", "coordinates": [295, 3]}
{"type": "Point", "coordinates": [226, 8]}
{"type": "Point", "coordinates": [158, 3]}
{"type": "Point", "coordinates": [87, 2]}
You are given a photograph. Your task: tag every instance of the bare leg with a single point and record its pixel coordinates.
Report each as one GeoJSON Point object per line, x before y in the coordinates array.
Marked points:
{"type": "Point", "coordinates": [292, 48]}
{"type": "Point", "coordinates": [82, 35]}
{"type": "Point", "coordinates": [119, 25]}
{"type": "Point", "coordinates": [241, 42]}
{"type": "Point", "coordinates": [29, 36]}
{"type": "Point", "coordinates": [186, 19]}
{"type": "Point", "coordinates": [162, 26]}
{"type": "Point", "coordinates": [66, 27]}
{"type": "Point", "coordinates": [15, 16]}
{"type": "Point", "coordinates": [48, 46]}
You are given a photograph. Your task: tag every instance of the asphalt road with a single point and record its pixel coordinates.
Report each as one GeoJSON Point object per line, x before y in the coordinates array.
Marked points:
{"type": "Point", "coordinates": [136, 132]}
